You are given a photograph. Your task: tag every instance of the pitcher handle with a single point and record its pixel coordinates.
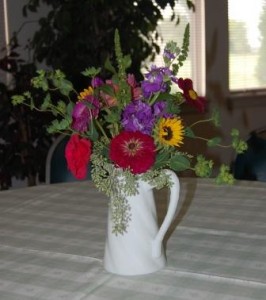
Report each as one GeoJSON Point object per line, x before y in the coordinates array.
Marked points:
{"type": "Point", "coordinates": [174, 197]}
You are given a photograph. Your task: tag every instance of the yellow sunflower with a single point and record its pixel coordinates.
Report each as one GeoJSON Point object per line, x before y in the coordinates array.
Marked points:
{"type": "Point", "coordinates": [86, 92]}
{"type": "Point", "coordinates": [170, 132]}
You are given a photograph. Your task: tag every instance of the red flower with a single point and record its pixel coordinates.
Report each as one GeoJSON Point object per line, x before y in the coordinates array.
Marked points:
{"type": "Point", "coordinates": [190, 95]}
{"type": "Point", "coordinates": [77, 153]}
{"type": "Point", "coordinates": [133, 150]}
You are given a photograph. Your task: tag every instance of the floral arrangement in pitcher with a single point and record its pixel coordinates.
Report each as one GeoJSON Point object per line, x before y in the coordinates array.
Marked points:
{"type": "Point", "coordinates": [121, 125]}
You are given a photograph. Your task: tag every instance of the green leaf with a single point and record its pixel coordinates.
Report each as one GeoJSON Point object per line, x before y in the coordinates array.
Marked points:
{"type": "Point", "coordinates": [214, 141]}
{"type": "Point", "coordinates": [107, 89]}
{"type": "Point", "coordinates": [66, 87]}
{"type": "Point", "coordinates": [166, 96]}
{"type": "Point", "coordinates": [53, 127]}
{"type": "Point", "coordinates": [127, 61]}
{"type": "Point", "coordinates": [162, 160]}
{"type": "Point", "coordinates": [17, 99]}
{"type": "Point", "coordinates": [61, 106]}
{"type": "Point", "coordinates": [108, 66]}
{"type": "Point", "coordinates": [63, 124]}
{"type": "Point", "coordinates": [112, 117]}
{"type": "Point", "coordinates": [93, 133]}
{"type": "Point", "coordinates": [46, 102]}
{"type": "Point", "coordinates": [179, 163]}
{"type": "Point", "coordinates": [234, 132]}
{"type": "Point", "coordinates": [91, 72]}
{"type": "Point", "coordinates": [69, 108]}
{"type": "Point", "coordinates": [189, 132]}
{"type": "Point", "coordinates": [216, 118]}
{"type": "Point", "coordinates": [40, 81]}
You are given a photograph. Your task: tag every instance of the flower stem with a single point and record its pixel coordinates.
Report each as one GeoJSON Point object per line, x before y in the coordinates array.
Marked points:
{"type": "Point", "coordinates": [153, 99]}
{"type": "Point", "coordinates": [201, 121]}
{"type": "Point", "coordinates": [206, 140]}
{"type": "Point", "coordinates": [101, 129]}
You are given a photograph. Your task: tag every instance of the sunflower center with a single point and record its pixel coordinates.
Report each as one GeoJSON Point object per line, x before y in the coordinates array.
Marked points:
{"type": "Point", "coordinates": [132, 146]}
{"type": "Point", "coordinates": [168, 133]}
{"type": "Point", "coordinates": [192, 94]}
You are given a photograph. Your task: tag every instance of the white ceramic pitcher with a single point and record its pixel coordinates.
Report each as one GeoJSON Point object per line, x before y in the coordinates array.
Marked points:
{"type": "Point", "coordinates": [140, 250]}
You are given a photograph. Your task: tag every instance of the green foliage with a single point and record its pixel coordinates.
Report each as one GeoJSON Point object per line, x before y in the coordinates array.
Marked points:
{"type": "Point", "coordinates": [203, 167]}
{"type": "Point", "coordinates": [162, 160]}
{"type": "Point", "coordinates": [185, 47]}
{"type": "Point", "coordinates": [214, 141]}
{"type": "Point", "coordinates": [216, 118]}
{"type": "Point", "coordinates": [224, 177]}
{"type": "Point", "coordinates": [91, 72]}
{"type": "Point", "coordinates": [189, 132]}
{"type": "Point", "coordinates": [182, 56]}
{"type": "Point", "coordinates": [123, 62]}
{"type": "Point", "coordinates": [238, 144]}
{"type": "Point", "coordinates": [179, 163]}
{"type": "Point", "coordinates": [173, 48]}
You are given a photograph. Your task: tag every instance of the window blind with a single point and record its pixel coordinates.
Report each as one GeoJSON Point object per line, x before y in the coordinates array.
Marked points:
{"type": "Point", "coordinates": [247, 45]}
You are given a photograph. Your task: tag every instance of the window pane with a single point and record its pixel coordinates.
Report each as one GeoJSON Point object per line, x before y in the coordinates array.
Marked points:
{"type": "Point", "coordinates": [247, 44]}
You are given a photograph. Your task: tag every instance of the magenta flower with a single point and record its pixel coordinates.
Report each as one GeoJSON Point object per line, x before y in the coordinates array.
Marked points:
{"type": "Point", "coordinates": [84, 111]}
{"type": "Point", "coordinates": [96, 82]}
{"type": "Point", "coordinates": [138, 116]}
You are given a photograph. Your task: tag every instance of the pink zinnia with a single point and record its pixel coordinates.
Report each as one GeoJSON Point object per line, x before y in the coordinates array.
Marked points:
{"type": "Point", "coordinates": [133, 150]}
{"type": "Point", "coordinates": [84, 111]}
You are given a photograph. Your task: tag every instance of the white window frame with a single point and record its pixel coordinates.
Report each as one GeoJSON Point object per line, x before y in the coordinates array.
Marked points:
{"type": "Point", "coordinates": [197, 44]}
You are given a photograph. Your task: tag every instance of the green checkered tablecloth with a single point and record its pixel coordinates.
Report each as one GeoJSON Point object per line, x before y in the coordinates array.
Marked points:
{"type": "Point", "coordinates": [52, 244]}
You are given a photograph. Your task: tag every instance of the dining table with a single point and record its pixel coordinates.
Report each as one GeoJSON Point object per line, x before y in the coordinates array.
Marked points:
{"type": "Point", "coordinates": [52, 239]}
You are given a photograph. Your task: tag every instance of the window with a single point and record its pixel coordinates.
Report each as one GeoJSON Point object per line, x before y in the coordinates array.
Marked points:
{"type": "Point", "coordinates": [247, 45]}
{"type": "Point", "coordinates": [194, 67]}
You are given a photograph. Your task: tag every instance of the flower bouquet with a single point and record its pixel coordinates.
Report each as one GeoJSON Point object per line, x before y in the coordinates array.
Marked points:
{"type": "Point", "coordinates": [121, 126]}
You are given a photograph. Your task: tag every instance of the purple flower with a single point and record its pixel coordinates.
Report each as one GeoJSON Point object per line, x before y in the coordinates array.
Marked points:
{"type": "Point", "coordinates": [96, 82]}
{"type": "Point", "coordinates": [168, 54]}
{"type": "Point", "coordinates": [159, 110]}
{"type": "Point", "coordinates": [138, 116]}
{"type": "Point", "coordinates": [83, 112]}
{"type": "Point", "coordinates": [155, 81]}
